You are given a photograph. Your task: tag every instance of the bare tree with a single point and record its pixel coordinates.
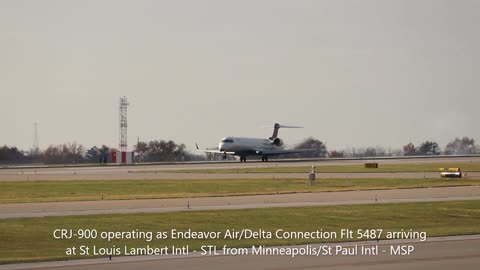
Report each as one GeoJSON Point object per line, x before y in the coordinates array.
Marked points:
{"type": "Point", "coordinates": [370, 152]}
{"type": "Point", "coordinates": [63, 153]}
{"type": "Point", "coordinates": [336, 154]}
{"type": "Point", "coordinates": [462, 146]}
{"type": "Point", "coordinates": [409, 149]}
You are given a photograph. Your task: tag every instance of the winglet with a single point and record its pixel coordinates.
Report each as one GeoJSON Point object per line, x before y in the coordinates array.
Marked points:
{"type": "Point", "coordinates": [197, 146]}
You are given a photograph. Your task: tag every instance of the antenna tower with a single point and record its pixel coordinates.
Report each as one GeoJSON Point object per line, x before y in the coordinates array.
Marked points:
{"type": "Point", "coordinates": [123, 123]}
{"type": "Point", "coordinates": [35, 138]}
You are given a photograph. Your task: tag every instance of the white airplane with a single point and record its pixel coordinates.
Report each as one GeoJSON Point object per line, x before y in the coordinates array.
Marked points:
{"type": "Point", "coordinates": [243, 147]}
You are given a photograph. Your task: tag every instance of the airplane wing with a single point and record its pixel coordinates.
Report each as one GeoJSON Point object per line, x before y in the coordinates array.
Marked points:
{"type": "Point", "coordinates": [213, 151]}
{"type": "Point", "coordinates": [283, 152]}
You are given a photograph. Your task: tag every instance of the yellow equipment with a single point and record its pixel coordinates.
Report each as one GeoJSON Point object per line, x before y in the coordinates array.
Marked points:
{"type": "Point", "coordinates": [450, 172]}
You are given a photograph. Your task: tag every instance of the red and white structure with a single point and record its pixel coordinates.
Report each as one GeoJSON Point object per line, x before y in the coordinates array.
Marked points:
{"type": "Point", "coordinates": [122, 156]}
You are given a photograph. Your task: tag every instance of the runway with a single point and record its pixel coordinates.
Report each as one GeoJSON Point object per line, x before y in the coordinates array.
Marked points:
{"type": "Point", "coordinates": [455, 252]}
{"type": "Point", "coordinates": [203, 176]}
{"type": "Point", "coordinates": [158, 172]}
{"type": "Point", "coordinates": [114, 168]}
{"type": "Point", "coordinates": [21, 210]}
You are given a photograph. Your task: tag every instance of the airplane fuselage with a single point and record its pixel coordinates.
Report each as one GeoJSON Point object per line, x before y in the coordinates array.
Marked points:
{"type": "Point", "coordinates": [242, 144]}
{"type": "Point", "coordinates": [243, 147]}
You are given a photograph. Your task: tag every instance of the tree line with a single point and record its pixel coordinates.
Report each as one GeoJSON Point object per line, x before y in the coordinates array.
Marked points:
{"type": "Point", "coordinates": [73, 153]}
{"type": "Point", "coordinates": [463, 146]}
{"type": "Point", "coordinates": [161, 150]}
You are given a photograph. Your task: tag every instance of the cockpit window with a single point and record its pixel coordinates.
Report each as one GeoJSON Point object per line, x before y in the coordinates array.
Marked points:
{"type": "Point", "coordinates": [227, 141]}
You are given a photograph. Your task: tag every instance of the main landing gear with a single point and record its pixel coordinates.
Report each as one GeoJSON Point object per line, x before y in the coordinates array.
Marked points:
{"type": "Point", "coordinates": [244, 159]}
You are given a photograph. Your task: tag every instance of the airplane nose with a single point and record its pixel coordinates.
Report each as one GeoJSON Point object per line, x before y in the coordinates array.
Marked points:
{"type": "Point", "coordinates": [220, 146]}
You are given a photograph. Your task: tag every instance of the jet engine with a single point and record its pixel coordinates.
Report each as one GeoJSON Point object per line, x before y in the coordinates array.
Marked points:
{"type": "Point", "coordinates": [277, 142]}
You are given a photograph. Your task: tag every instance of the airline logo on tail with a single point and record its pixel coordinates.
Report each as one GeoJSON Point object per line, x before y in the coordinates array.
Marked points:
{"type": "Point", "coordinates": [277, 126]}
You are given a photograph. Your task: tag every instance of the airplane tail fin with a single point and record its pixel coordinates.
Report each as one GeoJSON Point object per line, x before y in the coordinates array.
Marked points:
{"type": "Point", "coordinates": [277, 126]}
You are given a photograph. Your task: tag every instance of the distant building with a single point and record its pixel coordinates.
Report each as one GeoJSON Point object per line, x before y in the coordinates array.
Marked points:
{"type": "Point", "coordinates": [121, 157]}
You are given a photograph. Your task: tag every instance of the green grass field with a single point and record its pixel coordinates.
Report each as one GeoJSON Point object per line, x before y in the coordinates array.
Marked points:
{"type": "Point", "coordinates": [31, 239]}
{"type": "Point", "coordinates": [427, 167]}
{"type": "Point", "coordinates": [48, 191]}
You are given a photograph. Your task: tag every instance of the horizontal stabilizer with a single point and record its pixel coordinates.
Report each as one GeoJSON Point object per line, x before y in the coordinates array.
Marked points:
{"type": "Point", "coordinates": [281, 126]}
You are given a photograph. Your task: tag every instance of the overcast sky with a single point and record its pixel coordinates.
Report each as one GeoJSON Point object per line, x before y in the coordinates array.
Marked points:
{"type": "Point", "coordinates": [354, 73]}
